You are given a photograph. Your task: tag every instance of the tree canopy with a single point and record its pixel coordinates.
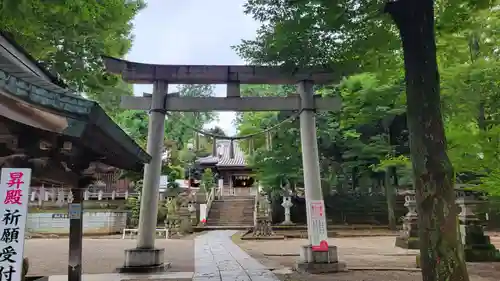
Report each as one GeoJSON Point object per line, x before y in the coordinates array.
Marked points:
{"type": "Point", "coordinates": [69, 38]}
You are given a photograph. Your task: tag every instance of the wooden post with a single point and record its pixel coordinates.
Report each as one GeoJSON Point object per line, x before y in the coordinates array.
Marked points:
{"type": "Point", "coordinates": [75, 214]}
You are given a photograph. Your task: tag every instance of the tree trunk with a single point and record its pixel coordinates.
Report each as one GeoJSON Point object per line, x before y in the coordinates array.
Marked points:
{"type": "Point", "coordinates": [391, 200]}
{"type": "Point", "coordinates": [481, 119]}
{"type": "Point", "coordinates": [441, 251]}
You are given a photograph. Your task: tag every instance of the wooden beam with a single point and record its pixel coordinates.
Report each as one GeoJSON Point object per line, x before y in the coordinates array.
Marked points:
{"type": "Point", "coordinates": [142, 73]}
{"type": "Point", "coordinates": [42, 168]}
{"type": "Point", "coordinates": [233, 90]}
{"type": "Point", "coordinates": [201, 104]}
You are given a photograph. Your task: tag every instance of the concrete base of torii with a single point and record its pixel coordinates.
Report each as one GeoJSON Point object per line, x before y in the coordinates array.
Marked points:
{"type": "Point", "coordinates": [144, 261]}
{"type": "Point", "coordinates": [319, 262]}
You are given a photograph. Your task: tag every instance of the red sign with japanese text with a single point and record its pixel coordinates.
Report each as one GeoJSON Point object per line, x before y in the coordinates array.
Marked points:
{"type": "Point", "coordinates": [318, 225]}
{"type": "Point", "coordinates": [14, 189]}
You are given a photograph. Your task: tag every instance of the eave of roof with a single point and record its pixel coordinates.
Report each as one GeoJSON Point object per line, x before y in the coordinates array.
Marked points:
{"type": "Point", "coordinates": [53, 77]}
{"type": "Point", "coordinates": [84, 116]}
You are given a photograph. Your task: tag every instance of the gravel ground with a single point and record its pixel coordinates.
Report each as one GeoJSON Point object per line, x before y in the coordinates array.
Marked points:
{"type": "Point", "coordinates": [50, 256]}
{"type": "Point", "coordinates": [358, 253]}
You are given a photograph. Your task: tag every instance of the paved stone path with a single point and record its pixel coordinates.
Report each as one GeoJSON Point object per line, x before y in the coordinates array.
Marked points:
{"type": "Point", "coordinates": [217, 258]}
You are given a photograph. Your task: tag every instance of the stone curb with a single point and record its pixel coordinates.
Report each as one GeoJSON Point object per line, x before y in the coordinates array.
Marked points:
{"type": "Point", "coordinates": [408, 269]}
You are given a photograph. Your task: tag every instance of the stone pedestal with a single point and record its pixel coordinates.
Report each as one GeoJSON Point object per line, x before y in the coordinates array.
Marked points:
{"type": "Point", "coordinates": [263, 227]}
{"type": "Point", "coordinates": [173, 223]}
{"type": "Point", "coordinates": [144, 261]}
{"type": "Point", "coordinates": [319, 262]}
{"type": "Point", "coordinates": [192, 213]}
{"type": "Point", "coordinates": [408, 238]}
{"type": "Point", "coordinates": [477, 245]}
{"type": "Point", "coordinates": [186, 225]}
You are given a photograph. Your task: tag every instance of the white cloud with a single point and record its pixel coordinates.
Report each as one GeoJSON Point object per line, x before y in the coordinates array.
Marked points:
{"type": "Point", "coordinates": [191, 32]}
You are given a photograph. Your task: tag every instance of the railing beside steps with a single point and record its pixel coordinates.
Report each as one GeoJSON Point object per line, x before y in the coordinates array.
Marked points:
{"type": "Point", "coordinates": [205, 208]}
{"type": "Point", "coordinates": [210, 199]}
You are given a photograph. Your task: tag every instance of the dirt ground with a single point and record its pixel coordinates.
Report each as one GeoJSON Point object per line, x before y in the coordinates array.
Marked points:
{"type": "Point", "coordinates": [367, 258]}
{"type": "Point", "coordinates": [50, 256]}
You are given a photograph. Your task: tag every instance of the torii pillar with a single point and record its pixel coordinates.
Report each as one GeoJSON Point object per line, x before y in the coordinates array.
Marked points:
{"type": "Point", "coordinates": [145, 257]}
{"type": "Point", "coordinates": [317, 256]}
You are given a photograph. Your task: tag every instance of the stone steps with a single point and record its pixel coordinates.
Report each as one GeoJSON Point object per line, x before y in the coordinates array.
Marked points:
{"type": "Point", "coordinates": [223, 227]}
{"type": "Point", "coordinates": [232, 211]}
{"type": "Point", "coordinates": [230, 196]}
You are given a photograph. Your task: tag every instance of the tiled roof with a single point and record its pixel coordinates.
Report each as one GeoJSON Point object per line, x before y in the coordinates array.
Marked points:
{"type": "Point", "coordinates": [208, 160]}
{"type": "Point", "coordinates": [224, 155]}
{"type": "Point", "coordinates": [225, 151]}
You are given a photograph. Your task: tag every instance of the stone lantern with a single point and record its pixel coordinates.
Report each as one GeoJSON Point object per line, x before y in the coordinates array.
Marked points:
{"type": "Point", "coordinates": [408, 238]}
{"type": "Point", "coordinates": [477, 245]}
{"type": "Point", "coordinates": [287, 205]}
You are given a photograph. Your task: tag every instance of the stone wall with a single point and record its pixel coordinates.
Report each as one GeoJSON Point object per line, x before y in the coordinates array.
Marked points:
{"type": "Point", "coordinates": [350, 208]}
{"type": "Point", "coordinates": [371, 208]}
{"type": "Point", "coordinates": [489, 213]}
{"type": "Point", "coordinates": [93, 222]}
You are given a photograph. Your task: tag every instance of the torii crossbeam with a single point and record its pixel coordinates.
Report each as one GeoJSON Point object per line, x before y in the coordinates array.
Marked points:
{"type": "Point", "coordinates": [200, 104]}
{"type": "Point", "coordinates": [145, 255]}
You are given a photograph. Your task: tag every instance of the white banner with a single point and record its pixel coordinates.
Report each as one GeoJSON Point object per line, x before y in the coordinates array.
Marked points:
{"type": "Point", "coordinates": [318, 224]}
{"type": "Point", "coordinates": [163, 181]}
{"type": "Point", "coordinates": [14, 189]}
{"type": "Point", "coordinates": [203, 213]}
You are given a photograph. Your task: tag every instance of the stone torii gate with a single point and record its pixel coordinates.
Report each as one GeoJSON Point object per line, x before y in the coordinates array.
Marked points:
{"type": "Point", "coordinates": [146, 256]}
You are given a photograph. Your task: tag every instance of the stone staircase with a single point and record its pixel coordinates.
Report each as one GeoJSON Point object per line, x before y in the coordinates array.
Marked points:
{"type": "Point", "coordinates": [232, 211]}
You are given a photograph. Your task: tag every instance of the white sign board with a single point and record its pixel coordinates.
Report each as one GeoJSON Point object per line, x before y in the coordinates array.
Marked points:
{"type": "Point", "coordinates": [221, 187]}
{"type": "Point", "coordinates": [203, 213]}
{"type": "Point", "coordinates": [163, 181]}
{"type": "Point", "coordinates": [318, 224]}
{"type": "Point", "coordinates": [75, 211]}
{"type": "Point", "coordinates": [14, 189]}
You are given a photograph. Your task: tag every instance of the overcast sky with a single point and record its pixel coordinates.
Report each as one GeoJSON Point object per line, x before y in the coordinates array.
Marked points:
{"type": "Point", "coordinates": [191, 32]}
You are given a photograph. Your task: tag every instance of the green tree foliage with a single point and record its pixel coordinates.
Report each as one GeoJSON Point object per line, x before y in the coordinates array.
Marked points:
{"type": "Point", "coordinates": [69, 37]}
{"type": "Point", "coordinates": [328, 33]}
{"type": "Point", "coordinates": [133, 204]}
{"type": "Point", "coordinates": [207, 180]}
{"type": "Point", "coordinates": [178, 128]}
{"type": "Point", "coordinates": [472, 127]}
{"type": "Point", "coordinates": [344, 141]}
{"type": "Point", "coordinates": [177, 131]}
{"type": "Point", "coordinates": [135, 123]}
